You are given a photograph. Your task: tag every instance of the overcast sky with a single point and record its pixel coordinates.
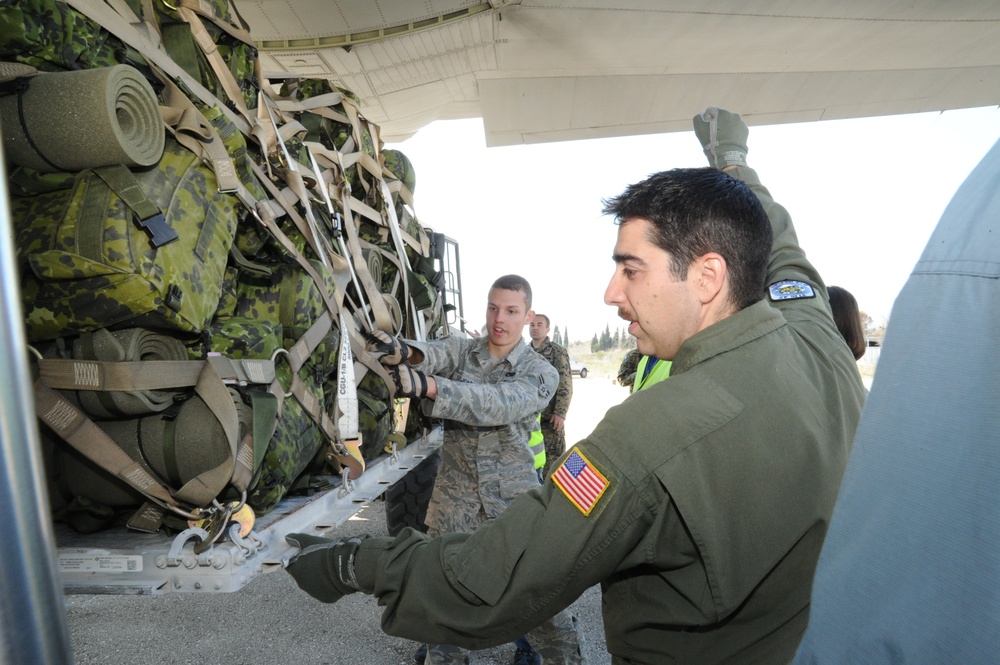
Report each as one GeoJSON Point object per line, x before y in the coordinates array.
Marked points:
{"type": "Point", "coordinates": [864, 194]}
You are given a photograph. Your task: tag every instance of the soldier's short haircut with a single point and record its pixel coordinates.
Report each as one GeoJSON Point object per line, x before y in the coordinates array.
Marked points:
{"type": "Point", "coordinates": [515, 283]}
{"type": "Point", "coordinates": [548, 324]}
{"type": "Point", "coordinates": [696, 211]}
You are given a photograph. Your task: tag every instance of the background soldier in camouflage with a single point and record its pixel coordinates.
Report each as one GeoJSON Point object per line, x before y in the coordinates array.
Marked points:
{"type": "Point", "coordinates": [489, 391]}
{"type": "Point", "coordinates": [630, 363]}
{"type": "Point", "coordinates": [554, 414]}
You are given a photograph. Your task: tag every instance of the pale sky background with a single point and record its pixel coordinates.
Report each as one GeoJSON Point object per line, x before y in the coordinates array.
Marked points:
{"type": "Point", "coordinates": [864, 194]}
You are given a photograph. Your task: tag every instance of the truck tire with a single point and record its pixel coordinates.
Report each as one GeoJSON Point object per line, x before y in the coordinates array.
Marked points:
{"type": "Point", "coordinates": [406, 500]}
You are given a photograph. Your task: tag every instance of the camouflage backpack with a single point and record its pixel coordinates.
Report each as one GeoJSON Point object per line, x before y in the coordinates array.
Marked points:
{"type": "Point", "coordinates": [87, 264]}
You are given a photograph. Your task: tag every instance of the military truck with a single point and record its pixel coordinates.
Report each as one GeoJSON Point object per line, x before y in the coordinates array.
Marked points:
{"type": "Point", "coordinates": [194, 254]}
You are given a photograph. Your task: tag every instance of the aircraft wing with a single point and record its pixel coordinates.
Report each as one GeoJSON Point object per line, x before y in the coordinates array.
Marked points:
{"type": "Point", "coordinates": [552, 70]}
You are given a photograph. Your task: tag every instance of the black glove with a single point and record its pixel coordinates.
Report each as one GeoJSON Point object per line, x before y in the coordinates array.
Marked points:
{"type": "Point", "coordinates": [723, 136]}
{"type": "Point", "coordinates": [409, 382]}
{"type": "Point", "coordinates": [324, 568]}
{"type": "Point", "coordinates": [392, 350]}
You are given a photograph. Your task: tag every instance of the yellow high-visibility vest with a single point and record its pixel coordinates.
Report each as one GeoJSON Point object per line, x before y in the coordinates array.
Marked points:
{"type": "Point", "coordinates": [660, 371]}
{"type": "Point", "coordinates": [537, 443]}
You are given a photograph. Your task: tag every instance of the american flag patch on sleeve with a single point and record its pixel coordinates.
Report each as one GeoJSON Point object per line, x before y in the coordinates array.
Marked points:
{"type": "Point", "coordinates": [582, 484]}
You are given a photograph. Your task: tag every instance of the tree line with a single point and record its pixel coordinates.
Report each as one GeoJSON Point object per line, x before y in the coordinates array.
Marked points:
{"type": "Point", "coordinates": [608, 342]}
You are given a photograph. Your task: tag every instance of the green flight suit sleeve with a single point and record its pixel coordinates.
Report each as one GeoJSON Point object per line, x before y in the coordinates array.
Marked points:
{"type": "Point", "coordinates": [788, 260]}
{"type": "Point", "coordinates": [489, 587]}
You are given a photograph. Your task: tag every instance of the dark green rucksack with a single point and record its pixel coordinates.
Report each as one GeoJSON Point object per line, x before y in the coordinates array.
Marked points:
{"type": "Point", "coordinates": [87, 264]}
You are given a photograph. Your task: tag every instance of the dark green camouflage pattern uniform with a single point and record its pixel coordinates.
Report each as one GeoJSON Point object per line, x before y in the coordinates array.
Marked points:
{"type": "Point", "coordinates": [490, 408]}
{"type": "Point", "coordinates": [555, 439]}
{"type": "Point", "coordinates": [628, 368]}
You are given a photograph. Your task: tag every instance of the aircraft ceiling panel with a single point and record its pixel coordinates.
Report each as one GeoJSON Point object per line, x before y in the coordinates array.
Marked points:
{"type": "Point", "coordinates": [697, 42]}
{"type": "Point", "coordinates": [579, 107]}
{"type": "Point", "coordinates": [299, 19]}
{"type": "Point", "coordinates": [540, 70]}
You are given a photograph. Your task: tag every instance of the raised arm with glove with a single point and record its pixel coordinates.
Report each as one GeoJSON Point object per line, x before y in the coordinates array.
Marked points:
{"type": "Point", "coordinates": [723, 136]}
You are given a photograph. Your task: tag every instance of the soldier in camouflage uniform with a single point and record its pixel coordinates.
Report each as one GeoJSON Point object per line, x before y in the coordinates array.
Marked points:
{"type": "Point", "coordinates": [489, 392]}
{"type": "Point", "coordinates": [554, 415]}
{"type": "Point", "coordinates": [628, 368]}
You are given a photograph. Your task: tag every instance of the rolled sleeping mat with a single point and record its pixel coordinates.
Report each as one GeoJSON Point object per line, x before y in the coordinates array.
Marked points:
{"type": "Point", "coordinates": [175, 446]}
{"type": "Point", "coordinates": [71, 121]}
{"type": "Point", "coordinates": [127, 345]}
{"type": "Point", "coordinates": [180, 443]}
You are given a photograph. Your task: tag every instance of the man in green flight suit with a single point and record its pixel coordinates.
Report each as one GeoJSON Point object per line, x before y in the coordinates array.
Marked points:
{"type": "Point", "coordinates": [700, 503]}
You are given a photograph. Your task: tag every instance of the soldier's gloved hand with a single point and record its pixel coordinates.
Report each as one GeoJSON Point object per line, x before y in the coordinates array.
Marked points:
{"type": "Point", "coordinates": [409, 382]}
{"type": "Point", "coordinates": [324, 568]}
{"type": "Point", "coordinates": [392, 350]}
{"type": "Point", "coordinates": [723, 136]}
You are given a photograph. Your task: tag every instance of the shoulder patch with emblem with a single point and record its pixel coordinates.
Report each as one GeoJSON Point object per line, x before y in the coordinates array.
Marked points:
{"type": "Point", "coordinates": [790, 289]}
{"type": "Point", "coordinates": [543, 390]}
{"type": "Point", "coordinates": [580, 481]}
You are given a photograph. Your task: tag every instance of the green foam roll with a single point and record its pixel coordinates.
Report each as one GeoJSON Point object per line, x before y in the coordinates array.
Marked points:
{"type": "Point", "coordinates": [71, 121]}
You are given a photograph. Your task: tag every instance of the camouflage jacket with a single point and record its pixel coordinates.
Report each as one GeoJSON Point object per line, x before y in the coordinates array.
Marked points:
{"type": "Point", "coordinates": [490, 409]}
{"type": "Point", "coordinates": [629, 367]}
{"type": "Point", "coordinates": [558, 357]}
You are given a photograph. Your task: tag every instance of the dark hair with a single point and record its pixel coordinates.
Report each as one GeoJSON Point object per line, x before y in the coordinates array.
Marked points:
{"type": "Point", "coordinates": [548, 324]}
{"type": "Point", "coordinates": [514, 283]}
{"type": "Point", "coordinates": [848, 319]}
{"type": "Point", "coordinates": [696, 211]}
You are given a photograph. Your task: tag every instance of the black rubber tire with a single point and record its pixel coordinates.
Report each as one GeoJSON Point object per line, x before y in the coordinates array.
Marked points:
{"type": "Point", "coordinates": [583, 373]}
{"type": "Point", "coordinates": [406, 500]}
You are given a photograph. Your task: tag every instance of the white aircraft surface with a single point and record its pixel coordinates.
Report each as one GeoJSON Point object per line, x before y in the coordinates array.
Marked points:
{"type": "Point", "coordinates": [552, 70]}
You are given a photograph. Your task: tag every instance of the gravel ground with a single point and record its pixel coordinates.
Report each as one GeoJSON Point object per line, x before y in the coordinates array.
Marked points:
{"type": "Point", "coordinates": [272, 621]}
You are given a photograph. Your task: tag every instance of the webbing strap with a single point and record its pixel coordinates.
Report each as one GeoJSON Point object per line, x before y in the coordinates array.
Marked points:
{"type": "Point", "coordinates": [135, 375]}
{"type": "Point", "coordinates": [314, 407]}
{"type": "Point", "coordinates": [114, 23]}
{"type": "Point", "coordinates": [215, 59]}
{"type": "Point", "coordinates": [207, 10]}
{"type": "Point", "coordinates": [308, 227]}
{"type": "Point", "coordinates": [319, 104]}
{"type": "Point", "coordinates": [265, 420]}
{"type": "Point", "coordinates": [89, 232]}
{"type": "Point", "coordinates": [373, 294]}
{"type": "Point", "coordinates": [123, 183]}
{"type": "Point", "coordinates": [266, 218]}
{"type": "Point", "coordinates": [79, 431]}
{"type": "Point", "coordinates": [197, 134]}
{"type": "Point", "coordinates": [200, 490]}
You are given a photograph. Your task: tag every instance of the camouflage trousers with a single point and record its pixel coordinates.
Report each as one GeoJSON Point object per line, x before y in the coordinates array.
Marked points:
{"type": "Point", "coordinates": [555, 446]}
{"type": "Point", "coordinates": [558, 641]}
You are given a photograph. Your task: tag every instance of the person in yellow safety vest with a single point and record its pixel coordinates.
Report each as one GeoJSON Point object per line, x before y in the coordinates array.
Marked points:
{"type": "Point", "coordinates": [649, 371]}
{"type": "Point", "coordinates": [537, 445]}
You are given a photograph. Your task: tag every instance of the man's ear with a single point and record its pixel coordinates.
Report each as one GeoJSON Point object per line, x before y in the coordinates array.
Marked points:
{"type": "Point", "coordinates": [712, 273]}
{"type": "Point", "coordinates": [530, 316]}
